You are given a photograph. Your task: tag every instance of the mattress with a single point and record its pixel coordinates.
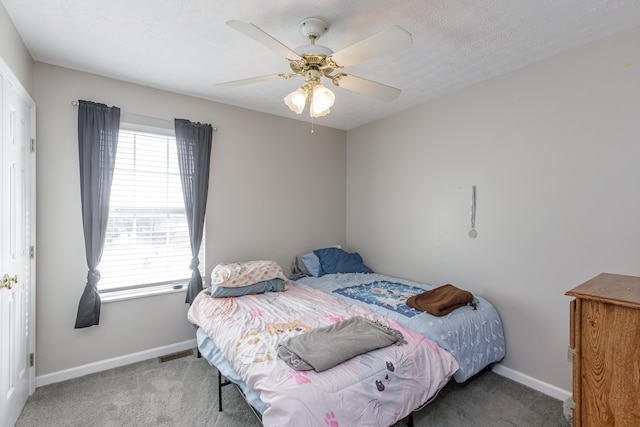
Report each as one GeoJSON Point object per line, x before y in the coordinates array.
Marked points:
{"type": "Point", "coordinates": [475, 337]}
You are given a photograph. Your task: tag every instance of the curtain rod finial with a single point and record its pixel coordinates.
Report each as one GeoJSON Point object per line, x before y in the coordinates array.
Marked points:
{"type": "Point", "coordinates": [74, 103]}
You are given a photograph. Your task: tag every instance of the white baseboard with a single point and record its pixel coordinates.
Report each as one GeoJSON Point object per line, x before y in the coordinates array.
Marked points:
{"type": "Point", "coordinates": [103, 365]}
{"type": "Point", "coordinates": [531, 382]}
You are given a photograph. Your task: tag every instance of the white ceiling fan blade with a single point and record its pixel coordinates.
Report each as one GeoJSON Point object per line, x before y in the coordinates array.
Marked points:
{"type": "Point", "coordinates": [261, 37]}
{"type": "Point", "coordinates": [369, 88]}
{"type": "Point", "coordinates": [251, 80]}
{"type": "Point", "coordinates": [387, 41]}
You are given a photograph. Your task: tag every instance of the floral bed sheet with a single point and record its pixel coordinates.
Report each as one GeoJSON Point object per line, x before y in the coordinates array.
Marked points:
{"type": "Point", "coordinates": [372, 389]}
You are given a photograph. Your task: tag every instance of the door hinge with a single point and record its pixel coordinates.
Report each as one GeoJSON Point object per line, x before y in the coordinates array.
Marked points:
{"type": "Point", "coordinates": [32, 360]}
{"type": "Point", "coordinates": [571, 352]}
{"type": "Point", "coordinates": [33, 145]}
{"type": "Point", "coordinates": [32, 252]}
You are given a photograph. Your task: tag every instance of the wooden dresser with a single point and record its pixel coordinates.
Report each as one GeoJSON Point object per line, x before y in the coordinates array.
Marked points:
{"type": "Point", "coordinates": [605, 335]}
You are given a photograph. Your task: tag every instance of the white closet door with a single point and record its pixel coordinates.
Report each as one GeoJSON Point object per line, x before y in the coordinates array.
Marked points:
{"type": "Point", "coordinates": [16, 281]}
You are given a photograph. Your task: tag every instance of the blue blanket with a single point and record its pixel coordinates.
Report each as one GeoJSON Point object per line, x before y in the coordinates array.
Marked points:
{"type": "Point", "coordinates": [474, 337]}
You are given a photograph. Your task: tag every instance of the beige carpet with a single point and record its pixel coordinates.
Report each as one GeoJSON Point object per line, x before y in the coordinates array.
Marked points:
{"type": "Point", "coordinates": [183, 392]}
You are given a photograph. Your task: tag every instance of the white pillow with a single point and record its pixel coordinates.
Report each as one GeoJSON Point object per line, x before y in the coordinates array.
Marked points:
{"type": "Point", "coordinates": [238, 274]}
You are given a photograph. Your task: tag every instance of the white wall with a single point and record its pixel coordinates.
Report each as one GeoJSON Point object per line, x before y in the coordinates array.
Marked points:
{"type": "Point", "coordinates": [554, 150]}
{"type": "Point", "coordinates": [14, 52]}
{"type": "Point", "coordinates": [275, 190]}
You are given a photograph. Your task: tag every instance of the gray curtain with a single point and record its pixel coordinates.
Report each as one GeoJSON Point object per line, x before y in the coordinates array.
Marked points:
{"type": "Point", "coordinates": [98, 127]}
{"type": "Point", "coordinates": [194, 154]}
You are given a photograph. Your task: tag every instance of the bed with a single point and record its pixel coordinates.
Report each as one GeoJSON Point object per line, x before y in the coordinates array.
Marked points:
{"type": "Point", "coordinates": [376, 388]}
{"type": "Point", "coordinates": [240, 336]}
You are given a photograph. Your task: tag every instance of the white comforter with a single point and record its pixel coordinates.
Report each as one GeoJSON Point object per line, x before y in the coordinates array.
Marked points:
{"type": "Point", "coordinates": [373, 389]}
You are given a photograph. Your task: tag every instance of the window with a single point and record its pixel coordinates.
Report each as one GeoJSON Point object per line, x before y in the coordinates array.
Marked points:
{"type": "Point", "coordinates": [147, 242]}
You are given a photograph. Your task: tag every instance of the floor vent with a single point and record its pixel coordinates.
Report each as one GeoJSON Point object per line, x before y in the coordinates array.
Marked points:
{"type": "Point", "coordinates": [174, 356]}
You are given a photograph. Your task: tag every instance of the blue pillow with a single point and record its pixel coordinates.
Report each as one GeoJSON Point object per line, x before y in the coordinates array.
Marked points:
{"type": "Point", "coordinates": [312, 263]}
{"type": "Point", "coordinates": [275, 285]}
{"type": "Point", "coordinates": [335, 260]}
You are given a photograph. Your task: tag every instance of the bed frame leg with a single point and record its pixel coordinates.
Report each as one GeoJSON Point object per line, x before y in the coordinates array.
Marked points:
{"type": "Point", "coordinates": [410, 420]}
{"type": "Point", "coordinates": [219, 392]}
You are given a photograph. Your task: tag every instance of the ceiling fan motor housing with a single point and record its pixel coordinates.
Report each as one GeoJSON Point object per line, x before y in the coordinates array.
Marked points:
{"type": "Point", "coordinates": [312, 28]}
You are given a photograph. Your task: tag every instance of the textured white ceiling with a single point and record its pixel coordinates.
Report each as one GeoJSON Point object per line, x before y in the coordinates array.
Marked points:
{"type": "Point", "coordinates": [185, 46]}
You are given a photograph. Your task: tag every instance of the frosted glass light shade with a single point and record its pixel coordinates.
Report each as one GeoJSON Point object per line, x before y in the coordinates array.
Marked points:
{"type": "Point", "coordinates": [296, 100]}
{"type": "Point", "coordinates": [322, 101]}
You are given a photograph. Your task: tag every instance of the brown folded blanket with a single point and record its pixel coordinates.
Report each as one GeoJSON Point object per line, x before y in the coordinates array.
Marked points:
{"type": "Point", "coordinates": [441, 300]}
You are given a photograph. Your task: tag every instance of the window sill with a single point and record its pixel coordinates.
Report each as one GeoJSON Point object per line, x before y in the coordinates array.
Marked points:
{"type": "Point", "coordinates": [109, 297]}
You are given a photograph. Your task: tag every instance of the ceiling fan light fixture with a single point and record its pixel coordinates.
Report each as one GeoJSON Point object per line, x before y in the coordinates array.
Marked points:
{"type": "Point", "coordinates": [322, 100]}
{"type": "Point", "coordinates": [296, 100]}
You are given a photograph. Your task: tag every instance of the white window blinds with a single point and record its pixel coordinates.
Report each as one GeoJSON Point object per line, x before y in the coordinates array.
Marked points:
{"type": "Point", "coordinates": [147, 241]}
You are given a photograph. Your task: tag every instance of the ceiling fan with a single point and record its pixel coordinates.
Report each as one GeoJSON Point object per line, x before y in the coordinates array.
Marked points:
{"type": "Point", "coordinates": [314, 61]}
